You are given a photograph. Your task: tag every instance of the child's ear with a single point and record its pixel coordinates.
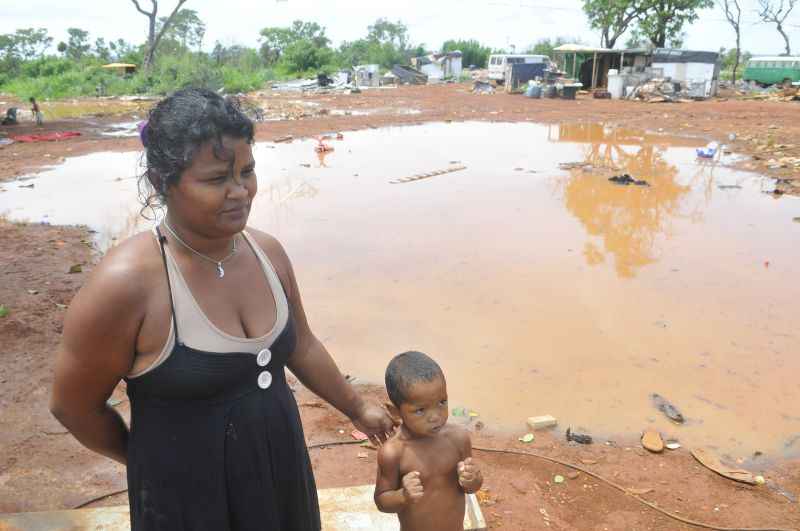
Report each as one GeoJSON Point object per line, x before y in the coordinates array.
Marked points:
{"type": "Point", "coordinates": [393, 411]}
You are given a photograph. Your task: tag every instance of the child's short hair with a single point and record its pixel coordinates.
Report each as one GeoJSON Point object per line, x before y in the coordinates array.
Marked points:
{"type": "Point", "coordinates": [405, 370]}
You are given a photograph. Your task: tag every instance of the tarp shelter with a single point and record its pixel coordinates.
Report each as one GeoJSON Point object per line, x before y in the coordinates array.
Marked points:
{"type": "Point", "coordinates": [440, 66]}
{"type": "Point", "coordinates": [518, 75]}
{"type": "Point", "coordinates": [121, 68]}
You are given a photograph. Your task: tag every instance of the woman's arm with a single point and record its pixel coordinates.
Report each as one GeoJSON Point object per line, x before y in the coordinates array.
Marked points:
{"type": "Point", "coordinates": [96, 351]}
{"type": "Point", "coordinates": [314, 366]}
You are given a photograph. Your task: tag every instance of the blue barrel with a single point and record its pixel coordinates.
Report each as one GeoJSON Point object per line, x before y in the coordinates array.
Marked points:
{"type": "Point", "coordinates": [534, 91]}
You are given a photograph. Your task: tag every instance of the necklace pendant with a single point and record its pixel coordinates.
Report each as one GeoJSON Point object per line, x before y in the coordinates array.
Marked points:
{"type": "Point", "coordinates": [220, 271]}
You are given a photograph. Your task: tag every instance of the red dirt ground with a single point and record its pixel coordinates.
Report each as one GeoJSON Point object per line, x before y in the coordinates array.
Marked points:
{"type": "Point", "coordinates": [43, 468]}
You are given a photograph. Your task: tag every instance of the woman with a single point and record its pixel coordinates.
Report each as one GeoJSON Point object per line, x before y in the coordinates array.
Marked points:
{"type": "Point", "coordinates": [200, 317]}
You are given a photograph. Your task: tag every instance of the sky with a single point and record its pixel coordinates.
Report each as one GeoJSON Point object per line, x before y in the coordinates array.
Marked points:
{"type": "Point", "coordinates": [497, 23]}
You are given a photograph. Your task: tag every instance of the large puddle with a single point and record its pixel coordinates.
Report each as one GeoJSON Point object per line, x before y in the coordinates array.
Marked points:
{"type": "Point", "coordinates": [540, 290]}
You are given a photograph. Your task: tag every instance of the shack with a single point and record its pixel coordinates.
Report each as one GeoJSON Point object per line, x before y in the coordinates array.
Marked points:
{"type": "Point", "coordinates": [439, 66]}
{"type": "Point", "coordinates": [123, 69]}
{"type": "Point", "coordinates": [590, 66]}
{"type": "Point", "coordinates": [697, 71]}
{"type": "Point", "coordinates": [367, 75]}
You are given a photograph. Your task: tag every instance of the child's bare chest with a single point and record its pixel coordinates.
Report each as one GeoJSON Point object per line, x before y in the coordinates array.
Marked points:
{"type": "Point", "coordinates": [434, 460]}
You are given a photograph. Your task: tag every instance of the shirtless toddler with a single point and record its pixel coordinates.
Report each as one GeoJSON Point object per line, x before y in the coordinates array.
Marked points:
{"type": "Point", "coordinates": [426, 467]}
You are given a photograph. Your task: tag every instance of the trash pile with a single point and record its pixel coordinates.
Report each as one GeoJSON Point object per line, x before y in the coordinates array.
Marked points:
{"type": "Point", "coordinates": [663, 90]}
{"type": "Point", "coordinates": [482, 87]}
{"type": "Point", "coordinates": [750, 90]}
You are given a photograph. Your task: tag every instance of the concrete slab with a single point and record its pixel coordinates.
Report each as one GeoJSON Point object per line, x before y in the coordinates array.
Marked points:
{"type": "Point", "coordinates": [345, 509]}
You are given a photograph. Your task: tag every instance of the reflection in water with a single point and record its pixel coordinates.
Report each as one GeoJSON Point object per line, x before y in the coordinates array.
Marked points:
{"type": "Point", "coordinates": [628, 219]}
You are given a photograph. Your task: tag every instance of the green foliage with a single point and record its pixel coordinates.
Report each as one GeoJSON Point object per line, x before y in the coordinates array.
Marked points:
{"type": "Point", "coordinates": [612, 17]}
{"type": "Point", "coordinates": [303, 56]}
{"type": "Point", "coordinates": [78, 44]}
{"type": "Point", "coordinates": [474, 52]}
{"type": "Point", "coordinates": [546, 46]}
{"type": "Point", "coordinates": [386, 44]}
{"type": "Point", "coordinates": [662, 21]}
{"type": "Point", "coordinates": [185, 32]}
{"type": "Point", "coordinates": [275, 40]}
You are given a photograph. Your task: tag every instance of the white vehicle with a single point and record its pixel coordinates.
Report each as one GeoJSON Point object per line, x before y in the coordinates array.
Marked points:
{"type": "Point", "coordinates": [498, 63]}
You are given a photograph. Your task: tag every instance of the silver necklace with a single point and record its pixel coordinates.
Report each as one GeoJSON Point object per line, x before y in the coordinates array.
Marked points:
{"type": "Point", "coordinates": [218, 263]}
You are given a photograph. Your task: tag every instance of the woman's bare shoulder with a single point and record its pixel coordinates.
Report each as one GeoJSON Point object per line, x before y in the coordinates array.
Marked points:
{"type": "Point", "coordinates": [128, 270]}
{"type": "Point", "coordinates": [274, 251]}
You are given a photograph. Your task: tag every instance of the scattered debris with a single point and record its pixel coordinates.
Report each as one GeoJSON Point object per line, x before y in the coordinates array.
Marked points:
{"type": "Point", "coordinates": [482, 87]}
{"type": "Point", "coordinates": [359, 436]}
{"type": "Point", "coordinates": [541, 422]}
{"type": "Point", "coordinates": [574, 166]}
{"type": "Point", "coordinates": [77, 268]}
{"type": "Point", "coordinates": [3, 311]}
{"type": "Point", "coordinates": [672, 444]}
{"type": "Point", "coordinates": [282, 139]}
{"type": "Point", "coordinates": [760, 480]}
{"type": "Point", "coordinates": [573, 474]}
{"type": "Point", "coordinates": [33, 292]}
{"type": "Point", "coordinates": [578, 437]}
{"type": "Point", "coordinates": [796, 220]}
{"type": "Point", "coordinates": [588, 461]}
{"type": "Point", "coordinates": [651, 441]}
{"type": "Point", "coordinates": [627, 180]}
{"type": "Point", "coordinates": [708, 152]}
{"type": "Point", "coordinates": [363, 455]}
{"type": "Point", "coordinates": [459, 412]}
{"type": "Point", "coordinates": [27, 185]}
{"type": "Point", "coordinates": [708, 459]}
{"type": "Point", "coordinates": [729, 186]}
{"type": "Point", "coordinates": [527, 438]}
{"type": "Point", "coordinates": [663, 405]}
{"type": "Point", "coordinates": [639, 492]}
{"type": "Point", "coordinates": [421, 176]}
{"type": "Point", "coordinates": [558, 479]}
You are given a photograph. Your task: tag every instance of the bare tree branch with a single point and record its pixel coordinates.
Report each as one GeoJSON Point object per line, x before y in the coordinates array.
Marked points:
{"type": "Point", "coordinates": [777, 12]}
{"type": "Point", "coordinates": [168, 22]}
{"type": "Point", "coordinates": [139, 8]}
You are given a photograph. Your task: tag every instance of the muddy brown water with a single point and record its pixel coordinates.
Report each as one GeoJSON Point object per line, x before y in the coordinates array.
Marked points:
{"type": "Point", "coordinates": [540, 290]}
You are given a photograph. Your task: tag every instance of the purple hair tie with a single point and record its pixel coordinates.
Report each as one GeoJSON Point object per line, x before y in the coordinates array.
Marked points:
{"type": "Point", "coordinates": [143, 132]}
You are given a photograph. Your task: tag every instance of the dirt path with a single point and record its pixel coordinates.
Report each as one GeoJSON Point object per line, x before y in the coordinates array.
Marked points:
{"type": "Point", "coordinates": [42, 467]}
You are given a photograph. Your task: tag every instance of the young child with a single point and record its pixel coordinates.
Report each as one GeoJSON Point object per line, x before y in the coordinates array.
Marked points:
{"type": "Point", "coordinates": [426, 467]}
{"type": "Point", "coordinates": [37, 112]}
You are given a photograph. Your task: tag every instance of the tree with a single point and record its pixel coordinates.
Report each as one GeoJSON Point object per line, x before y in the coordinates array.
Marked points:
{"type": "Point", "coordinates": [305, 56]}
{"type": "Point", "coordinates": [275, 40]}
{"type": "Point", "coordinates": [546, 46]}
{"type": "Point", "coordinates": [733, 13]}
{"type": "Point", "coordinates": [121, 49]}
{"type": "Point", "coordinates": [385, 32]}
{"type": "Point", "coordinates": [612, 17]}
{"type": "Point", "coordinates": [776, 12]}
{"type": "Point", "coordinates": [474, 53]}
{"type": "Point", "coordinates": [77, 44]}
{"type": "Point", "coordinates": [187, 30]}
{"type": "Point", "coordinates": [101, 49]}
{"type": "Point", "coordinates": [663, 20]}
{"type": "Point", "coordinates": [27, 43]}
{"type": "Point", "coordinates": [153, 37]}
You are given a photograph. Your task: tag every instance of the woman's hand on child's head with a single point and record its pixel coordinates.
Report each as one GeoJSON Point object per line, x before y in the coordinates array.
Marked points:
{"type": "Point", "coordinates": [412, 487]}
{"type": "Point", "coordinates": [469, 475]}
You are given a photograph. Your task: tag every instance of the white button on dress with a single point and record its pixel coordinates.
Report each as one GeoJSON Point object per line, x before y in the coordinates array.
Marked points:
{"type": "Point", "coordinates": [264, 357]}
{"type": "Point", "coordinates": [265, 380]}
